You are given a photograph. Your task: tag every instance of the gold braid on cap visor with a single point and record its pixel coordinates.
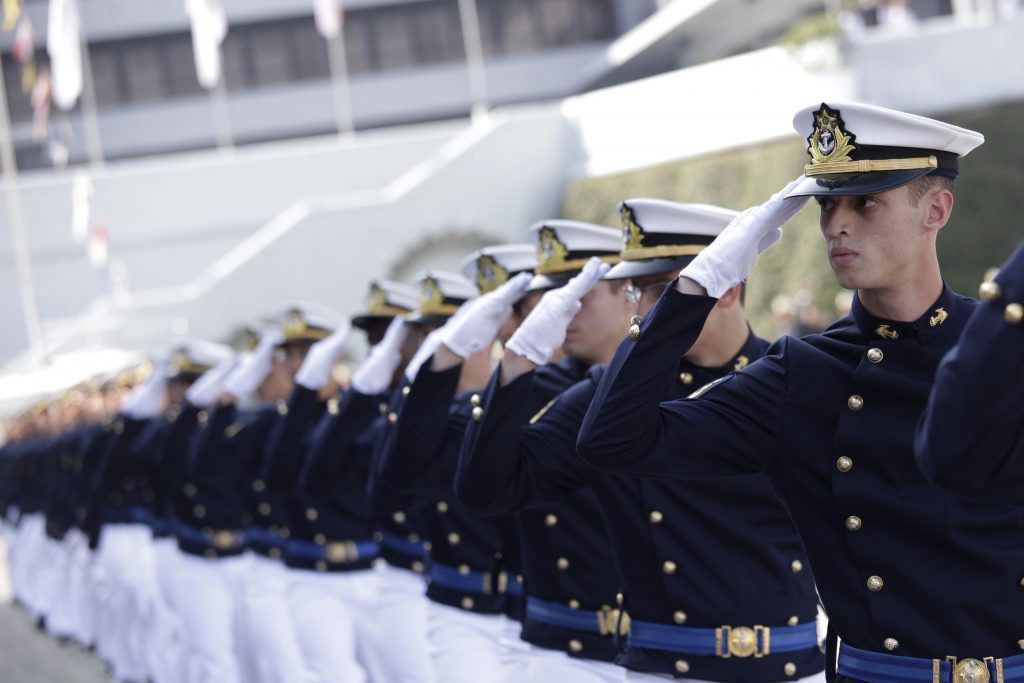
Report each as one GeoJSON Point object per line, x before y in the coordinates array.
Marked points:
{"type": "Point", "coordinates": [869, 165]}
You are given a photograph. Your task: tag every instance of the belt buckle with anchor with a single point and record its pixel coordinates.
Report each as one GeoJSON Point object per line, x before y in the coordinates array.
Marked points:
{"type": "Point", "coordinates": [608, 620]}
{"type": "Point", "coordinates": [969, 670]}
{"type": "Point", "coordinates": [743, 641]}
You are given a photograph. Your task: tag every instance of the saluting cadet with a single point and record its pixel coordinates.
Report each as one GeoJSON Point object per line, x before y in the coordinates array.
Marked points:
{"type": "Point", "coordinates": [969, 441]}
{"type": "Point", "coordinates": [468, 580]}
{"type": "Point", "coordinates": [918, 585]}
{"type": "Point", "coordinates": [566, 554]}
{"type": "Point", "coordinates": [713, 572]}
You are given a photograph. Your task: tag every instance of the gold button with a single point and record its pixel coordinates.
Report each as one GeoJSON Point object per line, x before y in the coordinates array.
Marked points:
{"type": "Point", "coordinates": [875, 355]}
{"type": "Point", "coordinates": [656, 517]}
{"type": "Point", "coordinates": [875, 583]}
{"type": "Point", "coordinates": [332, 407]}
{"type": "Point", "coordinates": [474, 400]}
{"type": "Point", "coordinates": [551, 520]}
{"type": "Point", "coordinates": [574, 604]}
{"type": "Point", "coordinates": [258, 485]}
{"type": "Point", "coordinates": [284, 532]}
{"type": "Point", "coordinates": [685, 378]}
{"type": "Point", "coordinates": [202, 417]}
{"type": "Point", "coordinates": [669, 567]}
{"type": "Point", "coordinates": [890, 644]}
{"type": "Point", "coordinates": [1021, 582]}
{"type": "Point", "coordinates": [464, 569]}
{"type": "Point", "coordinates": [417, 567]}
{"type": "Point", "coordinates": [320, 539]}
{"type": "Point", "coordinates": [1020, 644]}
{"type": "Point", "coordinates": [442, 506]}
{"type": "Point", "coordinates": [382, 408]}
{"type": "Point", "coordinates": [312, 514]}
{"type": "Point", "coordinates": [990, 291]}
{"type": "Point", "coordinates": [844, 464]}
{"type": "Point", "coordinates": [392, 418]}
{"type": "Point", "coordinates": [478, 413]}
{"type": "Point", "coordinates": [399, 517]}
{"type": "Point", "coordinates": [789, 668]}
{"type": "Point", "coordinates": [853, 523]}
{"type": "Point", "coordinates": [634, 327]}
{"type": "Point", "coordinates": [796, 566]}
{"type": "Point", "coordinates": [321, 566]}
{"type": "Point", "coordinates": [793, 620]}
{"type": "Point", "coordinates": [855, 403]}
{"type": "Point", "coordinates": [679, 617]}
{"type": "Point", "coordinates": [562, 563]}
{"type": "Point", "coordinates": [274, 553]}
{"type": "Point", "coordinates": [264, 509]}
{"type": "Point", "coordinates": [467, 603]}
{"type": "Point", "coordinates": [575, 646]}
{"type": "Point", "coordinates": [199, 511]}
{"type": "Point", "coordinates": [190, 490]}
{"type": "Point", "coordinates": [619, 598]}
{"type": "Point", "coordinates": [1014, 313]}
{"type": "Point", "coordinates": [406, 389]}
{"type": "Point", "coordinates": [682, 666]}
{"type": "Point", "coordinates": [454, 538]}
{"type": "Point", "coordinates": [282, 407]}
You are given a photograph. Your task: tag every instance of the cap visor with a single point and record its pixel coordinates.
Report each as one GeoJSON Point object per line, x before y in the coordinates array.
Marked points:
{"type": "Point", "coordinates": [420, 319]}
{"type": "Point", "coordinates": [365, 320]}
{"type": "Point", "coordinates": [542, 283]}
{"type": "Point", "coordinates": [647, 267]}
{"type": "Point", "coordinates": [855, 184]}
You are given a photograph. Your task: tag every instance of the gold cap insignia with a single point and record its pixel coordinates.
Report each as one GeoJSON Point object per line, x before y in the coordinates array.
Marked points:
{"type": "Point", "coordinates": [829, 142]}
{"type": "Point", "coordinates": [939, 317]}
{"type": "Point", "coordinates": [551, 252]}
{"type": "Point", "coordinates": [885, 332]}
{"type": "Point", "coordinates": [250, 339]}
{"type": "Point", "coordinates": [180, 361]}
{"type": "Point", "coordinates": [430, 293]}
{"type": "Point", "coordinates": [294, 324]}
{"type": "Point", "coordinates": [632, 233]}
{"type": "Point", "coordinates": [489, 274]}
{"type": "Point", "coordinates": [377, 298]}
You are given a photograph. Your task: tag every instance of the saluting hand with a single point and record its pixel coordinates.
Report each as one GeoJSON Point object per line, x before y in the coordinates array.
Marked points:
{"type": "Point", "coordinates": [206, 390]}
{"type": "Point", "coordinates": [478, 327]}
{"type": "Point", "coordinates": [729, 259]}
{"type": "Point", "coordinates": [253, 367]}
{"type": "Point", "coordinates": [374, 375]}
{"type": "Point", "coordinates": [316, 368]}
{"type": "Point", "coordinates": [543, 331]}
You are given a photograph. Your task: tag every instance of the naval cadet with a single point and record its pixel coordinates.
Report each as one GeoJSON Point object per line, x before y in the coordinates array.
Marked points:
{"type": "Point", "coordinates": [715, 582]}
{"type": "Point", "coordinates": [918, 585]}
{"type": "Point", "coordinates": [969, 441]}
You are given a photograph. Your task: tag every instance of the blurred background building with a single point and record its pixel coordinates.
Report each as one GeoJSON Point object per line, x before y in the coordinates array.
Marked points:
{"type": "Point", "coordinates": [156, 207]}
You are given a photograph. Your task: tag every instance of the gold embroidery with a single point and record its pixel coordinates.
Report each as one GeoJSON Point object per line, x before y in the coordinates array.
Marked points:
{"type": "Point", "coordinates": [884, 332]}
{"type": "Point", "coordinates": [939, 317]}
{"type": "Point", "coordinates": [540, 413]}
{"type": "Point", "coordinates": [829, 143]}
{"type": "Point", "coordinates": [741, 362]}
{"type": "Point", "coordinates": [632, 233]}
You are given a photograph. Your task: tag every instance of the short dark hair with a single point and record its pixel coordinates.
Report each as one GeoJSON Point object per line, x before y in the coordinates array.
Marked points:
{"type": "Point", "coordinates": [919, 187]}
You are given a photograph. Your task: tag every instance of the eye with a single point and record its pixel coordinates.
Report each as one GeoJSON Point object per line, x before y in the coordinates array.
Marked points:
{"type": "Point", "coordinates": [866, 202]}
{"type": "Point", "coordinates": [825, 203]}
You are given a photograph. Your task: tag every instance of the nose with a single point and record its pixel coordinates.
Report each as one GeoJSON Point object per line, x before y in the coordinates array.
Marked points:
{"type": "Point", "coordinates": [836, 221]}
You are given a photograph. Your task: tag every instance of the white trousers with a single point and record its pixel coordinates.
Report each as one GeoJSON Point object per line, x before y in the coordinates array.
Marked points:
{"type": "Point", "coordinates": [547, 666]}
{"type": "Point", "coordinates": [267, 644]}
{"type": "Point", "coordinates": [515, 651]}
{"type": "Point", "coordinates": [401, 612]}
{"type": "Point", "coordinates": [465, 646]}
{"type": "Point", "coordinates": [206, 597]}
{"type": "Point", "coordinates": [125, 572]}
{"type": "Point", "coordinates": [160, 623]}
{"type": "Point", "coordinates": [63, 614]}
{"type": "Point", "coordinates": [638, 677]}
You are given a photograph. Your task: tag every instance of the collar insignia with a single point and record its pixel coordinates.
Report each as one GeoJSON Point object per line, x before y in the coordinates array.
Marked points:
{"type": "Point", "coordinates": [885, 332]}
{"type": "Point", "coordinates": [829, 142]}
{"type": "Point", "coordinates": [741, 362]}
{"type": "Point", "coordinates": [939, 317]}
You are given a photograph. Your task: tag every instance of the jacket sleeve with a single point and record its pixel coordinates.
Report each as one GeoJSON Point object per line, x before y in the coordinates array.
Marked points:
{"type": "Point", "coordinates": [970, 439]}
{"type": "Point", "coordinates": [731, 426]}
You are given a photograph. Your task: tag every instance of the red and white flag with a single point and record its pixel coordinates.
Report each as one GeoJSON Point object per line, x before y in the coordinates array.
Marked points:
{"type": "Point", "coordinates": [328, 16]}
{"type": "Point", "coordinates": [209, 28]}
{"type": "Point", "coordinates": [63, 43]}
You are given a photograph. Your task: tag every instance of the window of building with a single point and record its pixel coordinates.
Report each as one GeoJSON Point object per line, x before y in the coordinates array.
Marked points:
{"type": "Point", "coordinates": [107, 79]}
{"type": "Point", "coordinates": [393, 30]}
{"type": "Point", "coordinates": [270, 55]}
{"type": "Point", "coordinates": [145, 77]}
{"type": "Point", "coordinates": [310, 56]}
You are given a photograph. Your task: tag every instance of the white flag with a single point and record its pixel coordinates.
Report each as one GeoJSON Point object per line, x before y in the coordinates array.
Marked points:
{"type": "Point", "coordinates": [209, 27]}
{"type": "Point", "coordinates": [63, 43]}
{"type": "Point", "coordinates": [327, 15]}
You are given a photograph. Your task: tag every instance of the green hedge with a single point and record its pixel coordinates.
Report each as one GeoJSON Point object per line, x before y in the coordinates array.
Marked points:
{"type": "Point", "coordinates": [985, 228]}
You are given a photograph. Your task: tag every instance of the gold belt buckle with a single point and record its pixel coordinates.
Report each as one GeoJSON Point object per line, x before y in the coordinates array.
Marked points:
{"type": "Point", "coordinates": [502, 582]}
{"type": "Point", "coordinates": [341, 551]}
{"type": "Point", "coordinates": [224, 540]}
{"type": "Point", "coordinates": [969, 670]}
{"type": "Point", "coordinates": [742, 641]}
{"type": "Point", "coordinates": [611, 621]}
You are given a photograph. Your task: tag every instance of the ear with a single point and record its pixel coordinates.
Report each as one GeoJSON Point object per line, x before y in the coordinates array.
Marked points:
{"type": "Point", "coordinates": [730, 297]}
{"type": "Point", "coordinates": [938, 209]}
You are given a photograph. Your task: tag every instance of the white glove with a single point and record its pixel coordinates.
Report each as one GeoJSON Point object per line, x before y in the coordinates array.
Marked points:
{"type": "Point", "coordinates": [253, 367]}
{"type": "Point", "coordinates": [317, 366]}
{"type": "Point", "coordinates": [543, 331]}
{"type": "Point", "coordinates": [728, 260]}
{"type": "Point", "coordinates": [147, 399]}
{"type": "Point", "coordinates": [374, 375]}
{"type": "Point", "coordinates": [484, 316]}
{"type": "Point", "coordinates": [206, 390]}
{"type": "Point", "coordinates": [424, 352]}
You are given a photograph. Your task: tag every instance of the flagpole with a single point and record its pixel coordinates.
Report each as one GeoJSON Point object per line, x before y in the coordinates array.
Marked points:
{"type": "Point", "coordinates": [474, 57]}
{"type": "Point", "coordinates": [90, 118]}
{"type": "Point", "coordinates": [221, 113]}
{"type": "Point", "coordinates": [339, 84]}
{"type": "Point", "coordinates": [16, 219]}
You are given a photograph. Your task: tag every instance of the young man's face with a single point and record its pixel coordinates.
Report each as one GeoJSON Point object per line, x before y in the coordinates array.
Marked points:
{"type": "Point", "coordinates": [870, 240]}
{"type": "Point", "coordinates": [602, 320]}
{"type": "Point", "coordinates": [650, 289]}
{"type": "Point", "coordinates": [520, 310]}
